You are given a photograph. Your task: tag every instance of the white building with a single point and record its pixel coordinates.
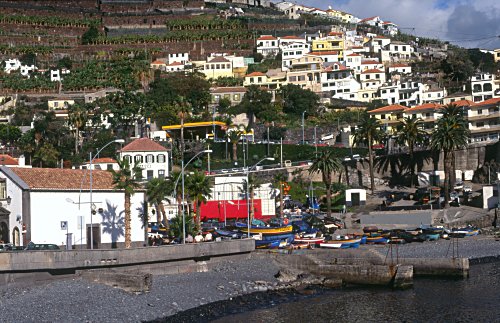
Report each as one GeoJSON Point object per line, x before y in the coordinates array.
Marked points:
{"type": "Point", "coordinates": [182, 58]}
{"type": "Point", "coordinates": [46, 205]}
{"type": "Point", "coordinates": [151, 157]}
{"type": "Point", "coordinates": [483, 87]}
{"type": "Point", "coordinates": [12, 65]}
{"type": "Point", "coordinates": [340, 82]}
{"type": "Point", "coordinates": [291, 51]}
{"type": "Point", "coordinates": [399, 68]}
{"type": "Point", "coordinates": [353, 61]}
{"type": "Point", "coordinates": [104, 163]}
{"type": "Point", "coordinates": [433, 93]}
{"type": "Point", "coordinates": [174, 67]}
{"type": "Point", "coordinates": [26, 70]}
{"type": "Point", "coordinates": [396, 52]}
{"type": "Point", "coordinates": [268, 45]}
{"type": "Point", "coordinates": [372, 78]}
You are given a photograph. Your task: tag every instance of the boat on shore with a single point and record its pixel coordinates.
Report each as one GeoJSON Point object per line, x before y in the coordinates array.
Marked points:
{"type": "Point", "coordinates": [264, 229]}
{"type": "Point", "coordinates": [309, 240]}
{"type": "Point", "coordinates": [341, 244]}
{"type": "Point", "coordinates": [377, 240]}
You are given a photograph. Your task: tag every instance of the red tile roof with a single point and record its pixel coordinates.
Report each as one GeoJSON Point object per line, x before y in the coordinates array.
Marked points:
{"type": "Point", "coordinates": [367, 19]}
{"type": "Point", "coordinates": [370, 62]}
{"type": "Point", "coordinates": [335, 33]}
{"type": "Point", "coordinates": [267, 37]}
{"type": "Point", "coordinates": [354, 54]}
{"type": "Point", "coordinates": [488, 102]}
{"type": "Point", "coordinates": [255, 74]}
{"type": "Point", "coordinates": [399, 65]}
{"type": "Point", "coordinates": [143, 144]}
{"type": "Point", "coordinates": [104, 160]}
{"type": "Point", "coordinates": [389, 108]}
{"type": "Point", "coordinates": [292, 37]}
{"type": "Point", "coordinates": [8, 160]}
{"type": "Point", "coordinates": [158, 63]}
{"type": "Point", "coordinates": [229, 89]}
{"type": "Point", "coordinates": [372, 70]}
{"type": "Point", "coordinates": [463, 103]}
{"type": "Point", "coordinates": [64, 179]}
{"type": "Point", "coordinates": [219, 59]}
{"type": "Point", "coordinates": [427, 106]}
{"type": "Point", "coordinates": [175, 64]}
{"type": "Point", "coordinates": [330, 52]}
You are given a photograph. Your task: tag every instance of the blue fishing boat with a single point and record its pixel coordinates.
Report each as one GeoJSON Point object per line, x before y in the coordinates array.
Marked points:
{"type": "Point", "coordinates": [377, 240]}
{"type": "Point", "coordinates": [341, 244]}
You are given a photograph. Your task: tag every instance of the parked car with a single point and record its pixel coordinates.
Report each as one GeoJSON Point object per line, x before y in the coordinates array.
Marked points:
{"type": "Point", "coordinates": [6, 247]}
{"type": "Point", "coordinates": [458, 185]}
{"type": "Point", "coordinates": [42, 246]}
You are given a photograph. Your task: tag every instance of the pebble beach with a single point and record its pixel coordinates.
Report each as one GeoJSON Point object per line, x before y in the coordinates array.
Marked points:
{"type": "Point", "coordinates": [78, 300]}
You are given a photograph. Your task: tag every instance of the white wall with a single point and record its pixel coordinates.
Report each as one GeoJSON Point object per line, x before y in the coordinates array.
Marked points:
{"type": "Point", "coordinates": [48, 209]}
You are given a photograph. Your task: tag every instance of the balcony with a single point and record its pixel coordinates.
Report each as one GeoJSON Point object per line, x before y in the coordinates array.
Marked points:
{"type": "Point", "coordinates": [492, 115]}
{"type": "Point", "coordinates": [485, 129]}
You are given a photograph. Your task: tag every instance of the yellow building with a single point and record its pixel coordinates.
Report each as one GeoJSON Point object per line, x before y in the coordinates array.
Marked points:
{"type": "Point", "coordinates": [331, 43]}
{"type": "Point", "coordinates": [218, 66]}
{"type": "Point", "coordinates": [389, 116]}
{"type": "Point", "coordinates": [496, 55]}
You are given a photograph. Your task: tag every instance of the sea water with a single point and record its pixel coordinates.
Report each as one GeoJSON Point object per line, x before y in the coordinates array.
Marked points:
{"type": "Point", "coordinates": [475, 299]}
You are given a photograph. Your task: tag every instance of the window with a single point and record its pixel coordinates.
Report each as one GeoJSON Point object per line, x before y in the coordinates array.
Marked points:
{"type": "Point", "coordinates": [479, 124]}
{"type": "Point", "coordinates": [150, 159]}
{"type": "Point", "coordinates": [236, 97]}
{"type": "Point", "coordinates": [128, 158]}
{"type": "Point", "coordinates": [138, 159]}
{"type": "Point", "coordinates": [161, 173]}
{"type": "Point", "coordinates": [149, 174]}
{"type": "Point", "coordinates": [382, 116]}
{"type": "Point", "coordinates": [109, 167]}
{"type": "Point", "coordinates": [160, 158]}
{"type": "Point", "coordinates": [3, 189]}
{"type": "Point", "coordinates": [479, 111]}
{"type": "Point", "coordinates": [393, 90]}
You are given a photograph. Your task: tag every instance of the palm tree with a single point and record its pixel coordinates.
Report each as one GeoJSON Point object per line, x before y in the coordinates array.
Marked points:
{"type": "Point", "coordinates": [234, 137]}
{"type": "Point", "coordinates": [326, 164]}
{"type": "Point", "coordinates": [183, 109]}
{"type": "Point", "coordinates": [249, 186]}
{"type": "Point", "coordinates": [198, 187]}
{"type": "Point", "coordinates": [368, 132]}
{"type": "Point", "coordinates": [77, 117]}
{"type": "Point", "coordinates": [280, 180]}
{"type": "Point", "coordinates": [451, 133]}
{"type": "Point", "coordinates": [409, 133]}
{"type": "Point", "coordinates": [127, 179]}
{"type": "Point", "coordinates": [157, 189]}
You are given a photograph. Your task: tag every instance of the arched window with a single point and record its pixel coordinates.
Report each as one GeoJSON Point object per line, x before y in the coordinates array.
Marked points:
{"type": "Point", "coordinates": [160, 158]}
{"type": "Point", "coordinates": [138, 159]}
{"type": "Point", "coordinates": [150, 159]}
{"type": "Point", "coordinates": [128, 158]}
{"type": "Point", "coordinates": [487, 87]}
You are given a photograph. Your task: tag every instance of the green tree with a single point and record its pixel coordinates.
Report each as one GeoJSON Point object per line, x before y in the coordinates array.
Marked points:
{"type": "Point", "coordinates": [451, 133]}
{"type": "Point", "coordinates": [251, 184]}
{"type": "Point", "coordinates": [297, 100]}
{"type": "Point", "coordinates": [326, 164]}
{"type": "Point", "coordinates": [77, 118]}
{"type": "Point", "coordinates": [409, 133]}
{"type": "Point", "coordinates": [9, 134]}
{"type": "Point", "coordinates": [46, 155]}
{"type": "Point", "coordinates": [157, 190]}
{"type": "Point", "coordinates": [368, 132]}
{"type": "Point", "coordinates": [90, 36]}
{"type": "Point", "coordinates": [254, 101]}
{"type": "Point", "coordinates": [198, 187]}
{"type": "Point", "coordinates": [127, 179]}
{"type": "Point", "coordinates": [234, 137]}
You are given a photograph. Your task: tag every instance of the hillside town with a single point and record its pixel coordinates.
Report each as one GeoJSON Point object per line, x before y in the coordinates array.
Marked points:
{"type": "Point", "coordinates": [165, 122]}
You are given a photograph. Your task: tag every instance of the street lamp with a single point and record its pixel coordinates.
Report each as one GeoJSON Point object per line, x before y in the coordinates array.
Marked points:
{"type": "Point", "coordinates": [92, 206]}
{"type": "Point", "coordinates": [246, 191]}
{"type": "Point", "coordinates": [315, 141]}
{"type": "Point", "coordinates": [303, 139]}
{"type": "Point", "coordinates": [208, 151]}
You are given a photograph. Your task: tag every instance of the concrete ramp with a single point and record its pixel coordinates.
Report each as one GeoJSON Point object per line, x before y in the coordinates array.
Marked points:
{"type": "Point", "coordinates": [390, 220]}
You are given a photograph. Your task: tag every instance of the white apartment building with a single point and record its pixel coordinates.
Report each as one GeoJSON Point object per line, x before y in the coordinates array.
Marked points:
{"type": "Point", "coordinates": [483, 87]}
{"type": "Point", "coordinates": [340, 82]}
{"type": "Point", "coordinates": [268, 45]}
{"type": "Point", "coordinates": [396, 52]}
{"type": "Point", "coordinates": [353, 61]}
{"type": "Point", "coordinates": [399, 68]}
{"type": "Point", "coordinates": [152, 157]}
{"type": "Point", "coordinates": [182, 58]}
{"type": "Point", "coordinates": [291, 51]}
{"type": "Point", "coordinates": [372, 79]}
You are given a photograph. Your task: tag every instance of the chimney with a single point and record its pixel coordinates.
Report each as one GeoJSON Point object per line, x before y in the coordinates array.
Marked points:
{"type": "Point", "coordinates": [21, 161]}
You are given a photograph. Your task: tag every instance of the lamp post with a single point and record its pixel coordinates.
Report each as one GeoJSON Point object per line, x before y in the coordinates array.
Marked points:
{"type": "Point", "coordinates": [208, 151]}
{"type": "Point", "coordinates": [303, 139]}
{"type": "Point", "coordinates": [246, 191]}
{"type": "Point", "coordinates": [92, 205]}
{"type": "Point", "coordinates": [315, 141]}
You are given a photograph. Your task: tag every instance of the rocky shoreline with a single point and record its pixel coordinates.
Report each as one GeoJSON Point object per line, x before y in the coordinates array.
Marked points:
{"type": "Point", "coordinates": [78, 300]}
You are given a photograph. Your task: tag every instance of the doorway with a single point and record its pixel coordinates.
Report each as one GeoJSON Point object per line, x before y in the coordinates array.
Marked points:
{"type": "Point", "coordinates": [96, 235]}
{"type": "Point", "coordinates": [355, 199]}
{"type": "Point", "coordinates": [16, 237]}
{"type": "Point", "coordinates": [4, 233]}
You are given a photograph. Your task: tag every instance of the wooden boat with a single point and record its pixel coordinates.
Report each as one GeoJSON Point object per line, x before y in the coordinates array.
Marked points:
{"type": "Point", "coordinates": [397, 241]}
{"type": "Point", "coordinates": [309, 240]}
{"type": "Point", "coordinates": [268, 237]}
{"type": "Point", "coordinates": [263, 244]}
{"type": "Point", "coordinates": [266, 230]}
{"type": "Point", "coordinates": [464, 232]}
{"type": "Point", "coordinates": [341, 244]}
{"type": "Point", "coordinates": [377, 240]}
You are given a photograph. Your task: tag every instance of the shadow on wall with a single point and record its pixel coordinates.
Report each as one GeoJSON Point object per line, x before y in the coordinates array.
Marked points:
{"type": "Point", "coordinates": [113, 223]}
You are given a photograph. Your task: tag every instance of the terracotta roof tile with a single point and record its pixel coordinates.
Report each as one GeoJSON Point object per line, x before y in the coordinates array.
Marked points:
{"type": "Point", "coordinates": [488, 102]}
{"type": "Point", "coordinates": [256, 74]}
{"type": "Point", "coordinates": [267, 37]}
{"type": "Point", "coordinates": [399, 65]}
{"type": "Point", "coordinates": [389, 108]}
{"type": "Point", "coordinates": [427, 106]}
{"type": "Point", "coordinates": [291, 37]}
{"type": "Point", "coordinates": [370, 62]}
{"type": "Point", "coordinates": [158, 63]}
{"type": "Point", "coordinates": [103, 160]}
{"type": "Point", "coordinates": [143, 144]}
{"type": "Point", "coordinates": [330, 52]}
{"type": "Point", "coordinates": [8, 160]}
{"type": "Point", "coordinates": [372, 70]}
{"type": "Point", "coordinates": [368, 19]}
{"type": "Point", "coordinates": [229, 89]}
{"type": "Point", "coordinates": [175, 64]}
{"type": "Point", "coordinates": [463, 103]}
{"type": "Point", "coordinates": [219, 59]}
{"type": "Point", "coordinates": [64, 179]}
{"type": "Point", "coordinates": [354, 54]}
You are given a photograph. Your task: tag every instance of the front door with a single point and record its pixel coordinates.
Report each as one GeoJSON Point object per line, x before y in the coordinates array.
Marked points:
{"type": "Point", "coordinates": [96, 236]}
{"type": "Point", "coordinates": [4, 233]}
{"type": "Point", "coordinates": [355, 199]}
